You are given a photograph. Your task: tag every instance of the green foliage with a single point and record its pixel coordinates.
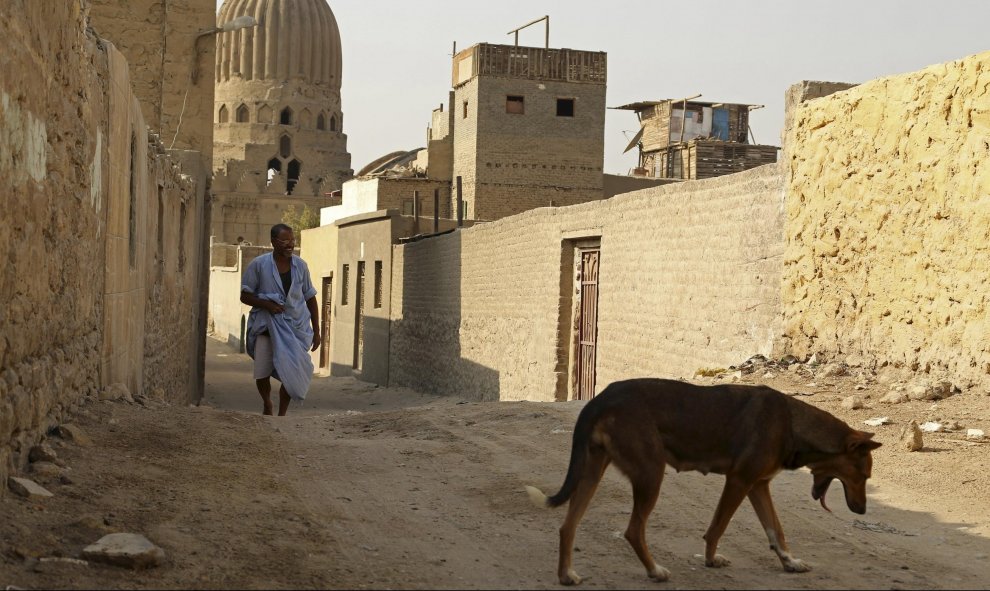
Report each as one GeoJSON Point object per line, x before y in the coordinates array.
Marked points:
{"type": "Point", "coordinates": [300, 220]}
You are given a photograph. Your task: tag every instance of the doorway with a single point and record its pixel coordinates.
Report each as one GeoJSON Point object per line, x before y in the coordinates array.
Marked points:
{"type": "Point", "coordinates": [359, 319]}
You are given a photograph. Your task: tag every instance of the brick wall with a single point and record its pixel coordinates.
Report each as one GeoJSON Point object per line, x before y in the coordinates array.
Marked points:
{"type": "Point", "coordinates": [888, 213]}
{"type": "Point", "coordinates": [690, 277]}
{"type": "Point", "coordinates": [530, 159]}
{"type": "Point", "coordinates": [80, 227]}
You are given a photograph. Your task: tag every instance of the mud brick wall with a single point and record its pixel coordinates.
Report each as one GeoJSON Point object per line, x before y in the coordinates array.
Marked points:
{"type": "Point", "coordinates": [52, 170]}
{"type": "Point", "coordinates": [690, 277]}
{"type": "Point", "coordinates": [888, 222]}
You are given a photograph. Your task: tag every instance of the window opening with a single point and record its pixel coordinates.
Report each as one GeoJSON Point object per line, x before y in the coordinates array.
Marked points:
{"type": "Point", "coordinates": [286, 117]}
{"type": "Point", "coordinates": [321, 122]}
{"type": "Point", "coordinates": [242, 114]}
{"type": "Point", "coordinates": [345, 274]}
{"type": "Point", "coordinates": [378, 284]}
{"type": "Point", "coordinates": [285, 146]}
{"type": "Point", "coordinates": [293, 177]}
{"type": "Point", "coordinates": [274, 167]}
{"type": "Point", "coordinates": [565, 107]}
{"type": "Point", "coordinates": [224, 115]}
{"type": "Point", "coordinates": [464, 115]}
{"type": "Point", "coordinates": [514, 105]}
{"type": "Point", "coordinates": [132, 215]}
{"type": "Point", "coordinates": [333, 123]}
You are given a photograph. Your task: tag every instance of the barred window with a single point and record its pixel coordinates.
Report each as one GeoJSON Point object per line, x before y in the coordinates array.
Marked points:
{"type": "Point", "coordinates": [345, 276]}
{"type": "Point", "coordinates": [378, 284]}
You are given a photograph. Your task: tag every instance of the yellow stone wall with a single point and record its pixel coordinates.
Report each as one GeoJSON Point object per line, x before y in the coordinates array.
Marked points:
{"type": "Point", "coordinates": [888, 222]}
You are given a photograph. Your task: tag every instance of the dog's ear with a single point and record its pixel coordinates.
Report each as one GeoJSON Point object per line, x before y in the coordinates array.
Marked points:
{"type": "Point", "coordinates": [861, 441]}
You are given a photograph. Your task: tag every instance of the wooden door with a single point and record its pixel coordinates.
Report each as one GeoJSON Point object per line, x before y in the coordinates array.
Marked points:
{"type": "Point", "coordinates": [325, 325]}
{"type": "Point", "coordinates": [588, 325]}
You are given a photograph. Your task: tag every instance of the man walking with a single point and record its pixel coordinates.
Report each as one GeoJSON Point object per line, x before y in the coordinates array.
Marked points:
{"type": "Point", "coordinates": [284, 323]}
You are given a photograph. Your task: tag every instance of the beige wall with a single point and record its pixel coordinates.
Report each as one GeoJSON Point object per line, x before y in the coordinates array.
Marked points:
{"type": "Point", "coordinates": [157, 39]}
{"type": "Point", "coordinates": [226, 312]}
{"type": "Point", "coordinates": [80, 225]}
{"type": "Point", "coordinates": [690, 278]}
{"type": "Point", "coordinates": [887, 222]}
{"type": "Point", "coordinates": [319, 250]}
{"type": "Point", "coordinates": [511, 163]}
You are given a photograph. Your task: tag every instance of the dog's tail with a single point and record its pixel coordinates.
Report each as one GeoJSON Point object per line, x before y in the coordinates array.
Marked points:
{"type": "Point", "coordinates": [579, 456]}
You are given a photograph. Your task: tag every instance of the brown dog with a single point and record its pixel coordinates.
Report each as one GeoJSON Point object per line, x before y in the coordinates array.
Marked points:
{"type": "Point", "coordinates": [748, 433]}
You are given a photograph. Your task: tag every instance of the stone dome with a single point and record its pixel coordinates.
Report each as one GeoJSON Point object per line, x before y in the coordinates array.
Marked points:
{"type": "Point", "coordinates": [294, 40]}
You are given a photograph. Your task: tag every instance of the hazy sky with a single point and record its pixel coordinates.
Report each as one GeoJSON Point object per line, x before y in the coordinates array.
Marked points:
{"type": "Point", "coordinates": [397, 53]}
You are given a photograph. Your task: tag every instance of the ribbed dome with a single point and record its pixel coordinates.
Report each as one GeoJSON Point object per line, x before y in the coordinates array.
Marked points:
{"type": "Point", "coordinates": [295, 39]}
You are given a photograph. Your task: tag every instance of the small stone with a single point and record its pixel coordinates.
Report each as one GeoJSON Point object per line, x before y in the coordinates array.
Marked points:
{"type": "Point", "coordinates": [833, 370]}
{"type": "Point", "coordinates": [117, 391]}
{"type": "Point", "coordinates": [814, 359]}
{"type": "Point", "coordinates": [911, 437]}
{"type": "Point", "coordinates": [43, 453]}
{"type": "Point", "coordinates": [895, 398]}
{"type": "Point", "coordinates": [126, 550]}
{"type": "Point", "coordinates": [974, 434]}
{"type": "Point", "coordinates": [860, 387]}
{"type": "Point", "coordinates": [28, 488]}
{"type": "Point", "coordinates": [73, 433]}
{"type": "Point", "coordinates": [46, 469]}
{"type": "Point", "coordinates": [931, 427]}
{"type": "Point", "coordinates": [852, 403]}
{"type": "Point", "coordinates": [878, 421]}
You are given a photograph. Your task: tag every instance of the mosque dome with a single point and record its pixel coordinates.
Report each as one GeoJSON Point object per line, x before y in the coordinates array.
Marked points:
{"type": "Point", "coordinates": [295, 40]}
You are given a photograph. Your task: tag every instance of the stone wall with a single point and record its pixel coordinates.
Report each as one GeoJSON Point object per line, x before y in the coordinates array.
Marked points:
{"type": "Point", "coordinates": [158, 38]}
{"type": "Point", "coordinates": [888, 222]}
{"type": "Point", "coordinates": [690, 278]}
{"type": "Point", "coordinates": [53, 172]}
{"type": "Point", "coordinates": [80, 176]}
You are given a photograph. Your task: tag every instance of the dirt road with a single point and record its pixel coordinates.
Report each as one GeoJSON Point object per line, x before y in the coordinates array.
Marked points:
{"type": "Point", "coordinates": [369, 487]}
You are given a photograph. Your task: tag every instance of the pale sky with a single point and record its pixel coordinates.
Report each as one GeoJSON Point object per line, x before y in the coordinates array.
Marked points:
{"type": "Point", "coordinates": [397, 54]}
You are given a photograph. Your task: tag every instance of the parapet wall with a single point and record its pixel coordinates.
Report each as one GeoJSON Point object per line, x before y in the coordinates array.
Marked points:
{"type": "Point", "coordinates": [888, 222]}
{"type": "Point", "coordinates": [690, 277]}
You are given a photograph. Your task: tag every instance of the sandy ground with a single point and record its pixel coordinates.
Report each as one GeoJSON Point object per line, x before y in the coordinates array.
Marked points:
{"type": "Point", "coordinates": [366, 487]}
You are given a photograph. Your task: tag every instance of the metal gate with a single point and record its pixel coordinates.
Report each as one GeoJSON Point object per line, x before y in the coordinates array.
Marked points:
{"type": "Point", "coordinates": [325, 330]}
{"type": "Point", "coordinates": [359, 318]}
{"type": "Point", "coordinates": [588, 323]}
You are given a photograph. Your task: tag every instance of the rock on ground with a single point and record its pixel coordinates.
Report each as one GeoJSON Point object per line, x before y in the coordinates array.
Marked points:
{"type": "Point", "coordinates": [911, 437]}
{"type": "Point", "coordinates": [127, 550]}
{"type": "Point", "coordinates": [28, 488]}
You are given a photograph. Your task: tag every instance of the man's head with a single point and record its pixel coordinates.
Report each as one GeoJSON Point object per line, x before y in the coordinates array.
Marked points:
{"type": "Point", "coordinates": [283, 240]}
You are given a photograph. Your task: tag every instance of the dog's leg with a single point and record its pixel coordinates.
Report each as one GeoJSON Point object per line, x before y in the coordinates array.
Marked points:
{"type": "Point", "coordinates": [759, 496]}
{"type": "Point", "coordinates": [593, 471]}
{"type": "Point", "coordinates": [646, 490]}
{"type": "Point", "coordinates": [732, 496]}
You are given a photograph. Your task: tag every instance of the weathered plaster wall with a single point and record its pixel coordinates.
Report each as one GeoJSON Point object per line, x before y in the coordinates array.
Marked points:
{"type": "Point", "coordinates": [888, 222]}
{"type": "Point", "coordinates": [80, 176]}
{"type": "Point", "coordinates": [690, 277]}
{"type": "Point", "coordinates": [158, 38]}
{"type": "Point", "coordinates": [319, 250]}
{"type": "Point", "coordinates": [53, 171]}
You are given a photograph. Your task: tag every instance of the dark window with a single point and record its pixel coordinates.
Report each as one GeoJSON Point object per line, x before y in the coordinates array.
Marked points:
{"type": "Point", "coordinates": [132, 215]}
{"type": "Point", "coordinates": [224, 116]}
{"type": "Point", "coordinates": [565, 107]}
{"type": "Point", "coordinates": [242, 114]}
{"type": "Point", "coordinates": [285, 146]}
{"type": "Point", "coordinates": [321, 122]}
{"type": "Point", "coordinates": [514, 105]}
{"type": "Point", "coordinates": [295, 168]}
{"type": "Point", "coordinates": [345, 275]}
{"type": "Point", "coordinates": [378, 284]}
{"type": "Point", "coordinates": [274, 167]}
{"type": "Point", "coordinates": [333, 123]}
{"type": "Point", "coordinates": [465, 110]}
{"type": "Point", "coordinates": [286, 117]}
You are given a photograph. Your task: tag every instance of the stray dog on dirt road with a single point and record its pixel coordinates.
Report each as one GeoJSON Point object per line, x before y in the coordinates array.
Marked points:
{"type": "Point", "coordinates": [747, 433]}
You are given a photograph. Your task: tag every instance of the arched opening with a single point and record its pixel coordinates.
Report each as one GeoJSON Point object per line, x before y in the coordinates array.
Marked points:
{"type": "Point", "coordinates": [274, 167]}
{"type": "Point", "coordinates": [333, 123]}
{"type": "Point", "coordinates": [285, 146]}
{"type": "Point", "coordinates": [321, 122]}
{"type": "Point", "coordinates": [242, 114]}
{"type": "Point", "coordinates": [305, 119]}
{"type": "Point", "coordinates": [285, 118]}
{"type": "Point", "coordinates": [224, 115]}
{"type": "Point", "coordinates": [293, 175]}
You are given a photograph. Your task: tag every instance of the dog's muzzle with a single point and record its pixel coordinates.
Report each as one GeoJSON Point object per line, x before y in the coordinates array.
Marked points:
{"type": "Point", "coordinates": [819, 489]}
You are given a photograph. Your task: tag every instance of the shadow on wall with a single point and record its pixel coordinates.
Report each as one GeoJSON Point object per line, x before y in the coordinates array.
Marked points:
{"type": "Point", "coordinates": [425, 347]}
